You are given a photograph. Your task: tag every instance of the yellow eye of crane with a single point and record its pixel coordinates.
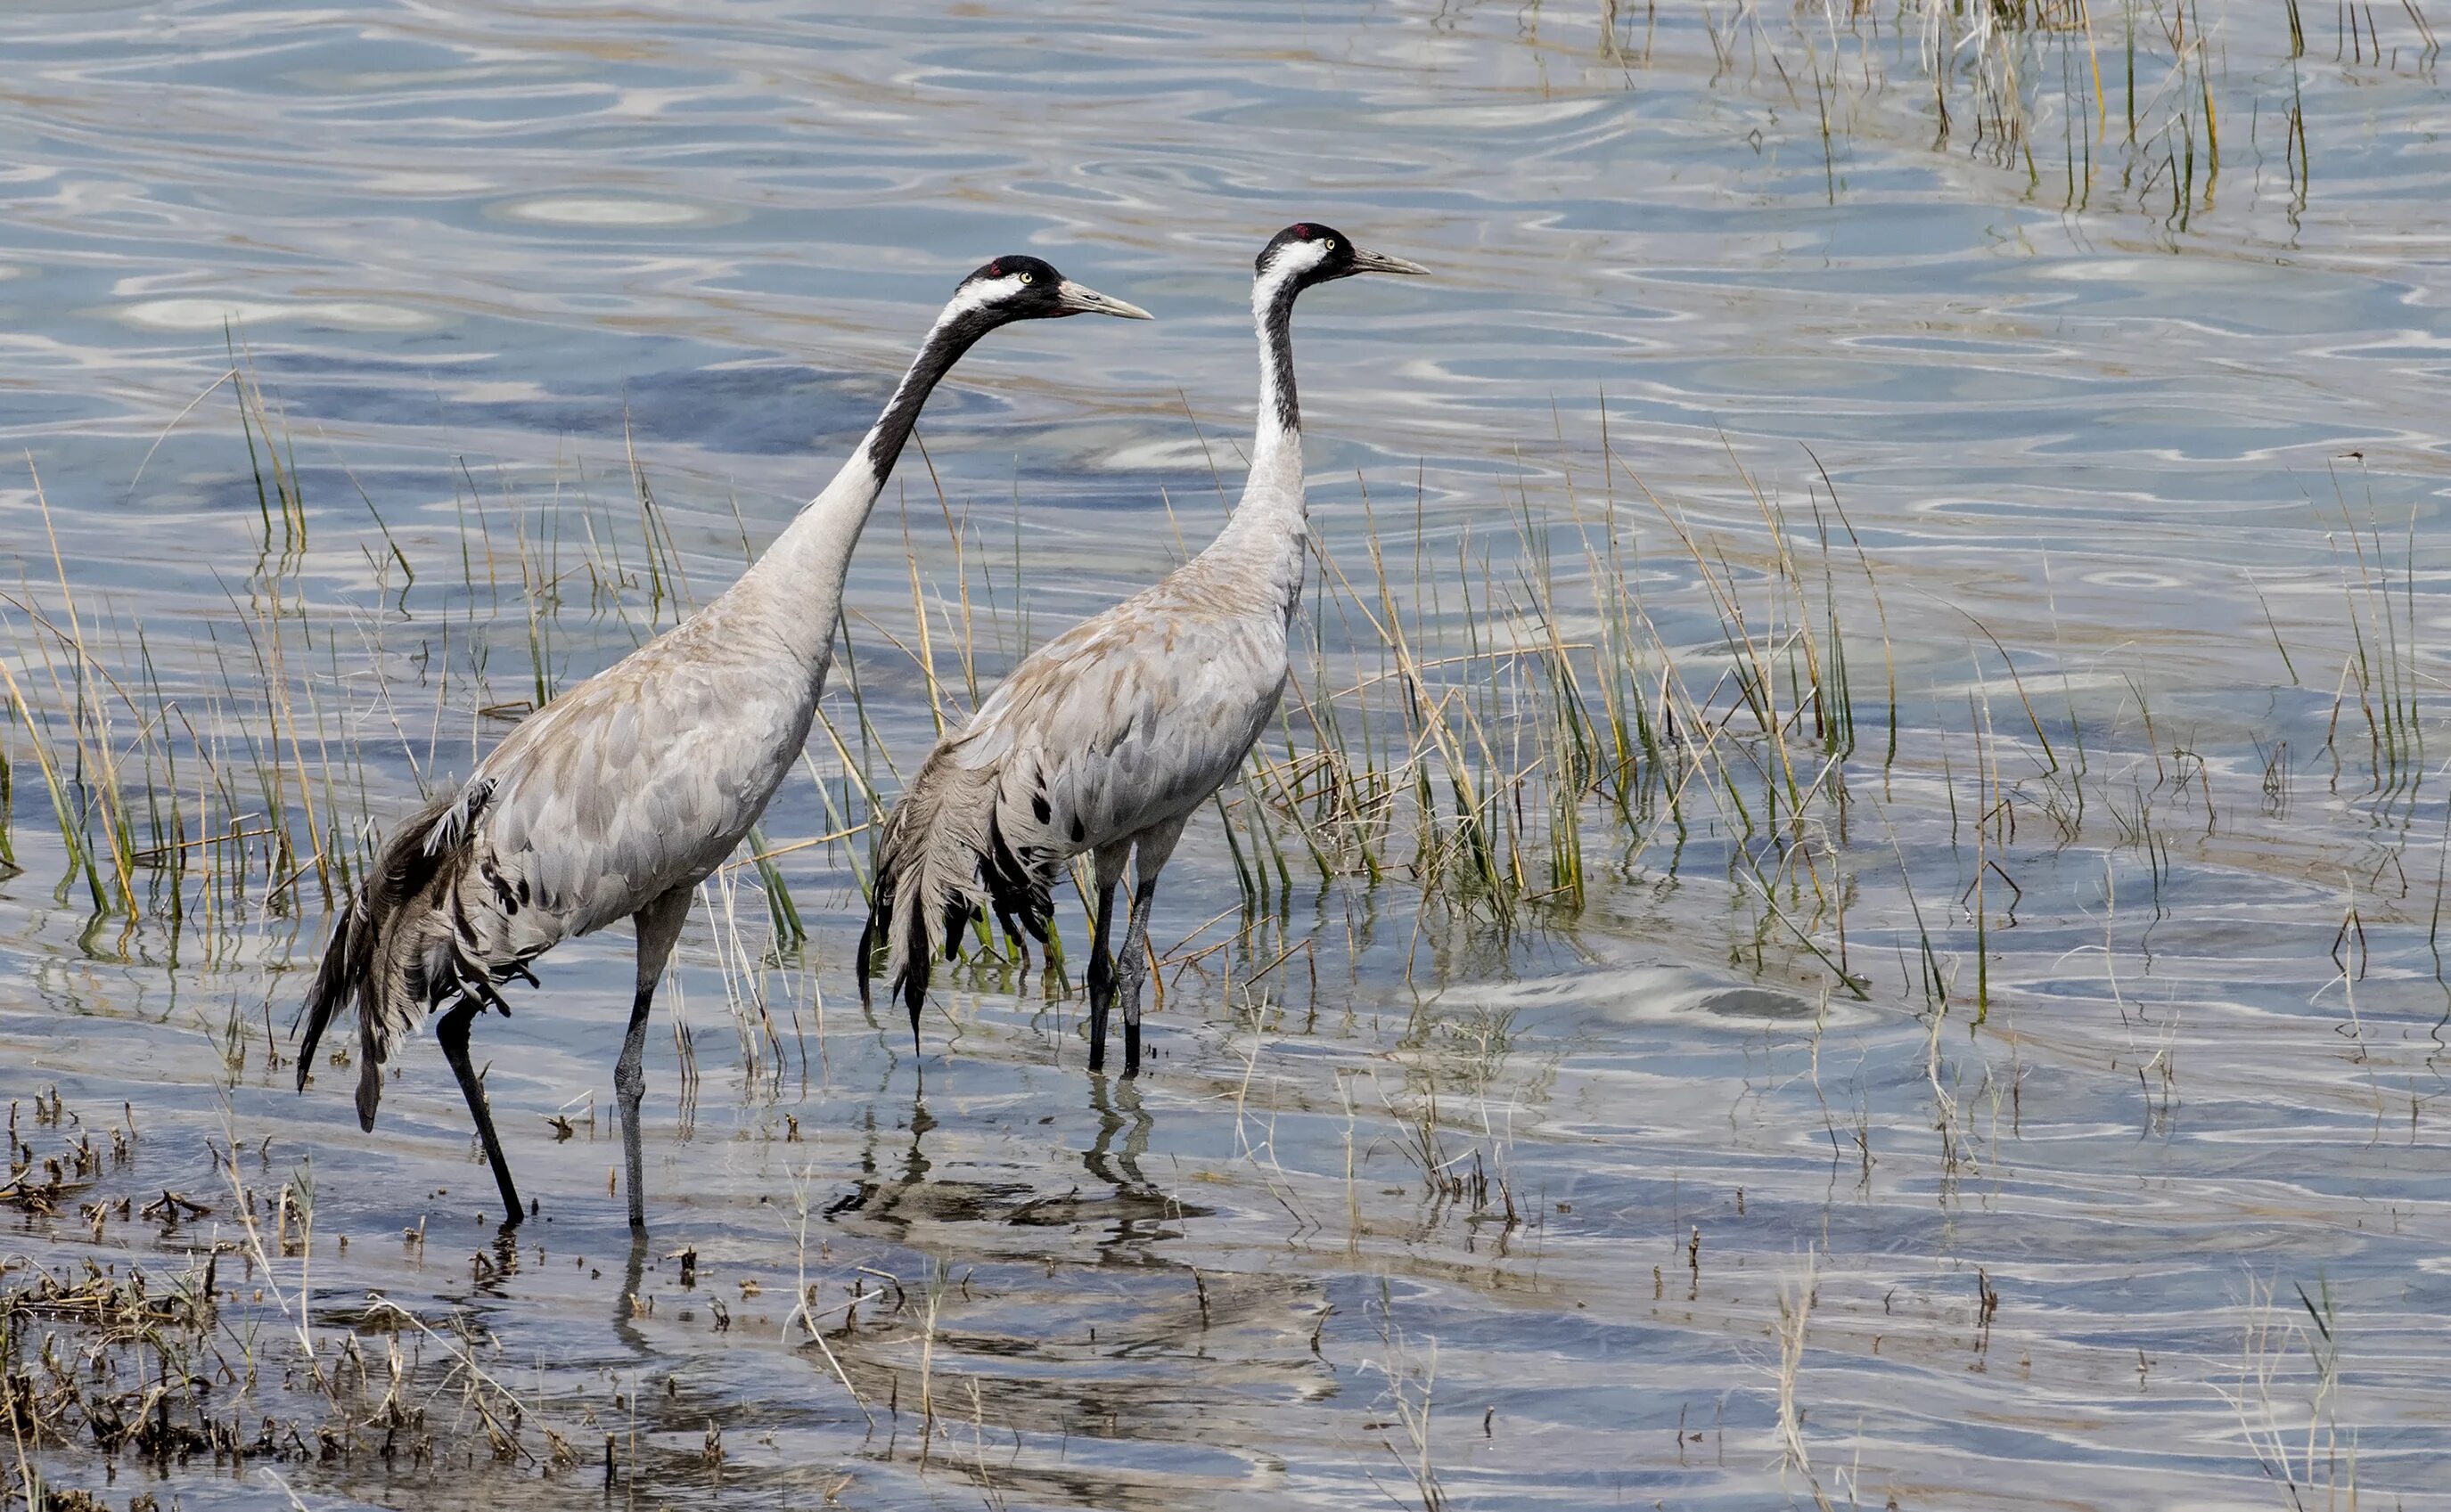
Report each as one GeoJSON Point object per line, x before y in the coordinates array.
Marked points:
{"type": "Point", "coordinates": [1027, 278]}
{"type": "Point", "coordinates": [1330, 243]}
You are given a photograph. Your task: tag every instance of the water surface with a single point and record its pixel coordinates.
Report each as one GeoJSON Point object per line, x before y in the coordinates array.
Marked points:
{"type": "Point", "coordinates": [2173, 458]}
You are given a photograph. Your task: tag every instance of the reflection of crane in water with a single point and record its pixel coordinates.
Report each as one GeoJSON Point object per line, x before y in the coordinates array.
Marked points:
{"type": "Point", "coordinates": [878, 1197]}
{"type": "Point", "coordinates": [1099, 1158]}
{"type": "Point", "coordinates": [1071, 1311]}
{"type": "Point", "coordinates": [896, 1193]}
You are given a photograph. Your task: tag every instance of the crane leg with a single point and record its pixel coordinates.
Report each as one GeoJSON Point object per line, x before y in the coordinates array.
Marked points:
{"type": "Point", "coordinates": [630, 1090]}
{"type": "Point", "coordinates": [660, 929]}
{"type": "Point", "coordinates": [1134, 970]}
{"type": "Point", "coordinates": [1102, 976]}
{"type": "Point", "coordinates": [1150, 852]}
{"type": "Point", "coordinates": [453, 1034]}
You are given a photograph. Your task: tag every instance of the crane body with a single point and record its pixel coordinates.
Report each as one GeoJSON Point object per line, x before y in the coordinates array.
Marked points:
{"type": "Point", "coordinates": [619, 797]}
{"type": "Point", "coordinates": [1104, 740]}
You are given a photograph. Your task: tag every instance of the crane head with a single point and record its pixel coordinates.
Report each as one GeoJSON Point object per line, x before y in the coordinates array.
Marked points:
{"type": "Point", "coordinates": [1018, 287]}
{"type": "Point", "coordinates": [1307, 253]}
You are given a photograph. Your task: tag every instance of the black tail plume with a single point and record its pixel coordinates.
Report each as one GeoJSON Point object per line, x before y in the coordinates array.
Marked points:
{"type": "Point", "coordinates": [867, 956]}
{"type": "Point", "coordinates": [915, 970]}
{"type": "Point", "coordinates": [331, 988]}
{"type": "Point", "coordinates": [368, 966]}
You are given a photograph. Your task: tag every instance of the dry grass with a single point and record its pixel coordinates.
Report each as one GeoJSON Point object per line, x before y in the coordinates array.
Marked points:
{"type": "Point", "coordinates": [216, 1359]}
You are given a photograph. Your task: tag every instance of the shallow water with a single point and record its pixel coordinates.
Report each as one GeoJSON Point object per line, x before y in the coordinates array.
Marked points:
{"type": "Point", "coordinates": [479, 257]}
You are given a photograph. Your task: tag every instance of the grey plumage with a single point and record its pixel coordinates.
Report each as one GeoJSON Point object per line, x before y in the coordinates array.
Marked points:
{"type": "Point", "coordinates": [1108, 738]}
{"type": "Point", "coordinates": [618, 798]}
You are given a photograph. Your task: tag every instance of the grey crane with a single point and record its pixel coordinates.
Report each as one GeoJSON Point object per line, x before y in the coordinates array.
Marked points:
{"type": "Point", "coordinates": [619, 797]}
{"type": "Point", "coordinates": [1105, 739]}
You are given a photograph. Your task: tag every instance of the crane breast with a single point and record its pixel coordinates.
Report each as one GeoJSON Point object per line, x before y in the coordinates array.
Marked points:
{"type": "Point", "coordinates": [1098, 746]}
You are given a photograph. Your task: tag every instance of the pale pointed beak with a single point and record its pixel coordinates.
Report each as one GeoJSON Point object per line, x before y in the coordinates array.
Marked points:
{"type": "Point", "coordinates": [1366, 261]}
{"type": "Point", "coordinates": [1079, 299]}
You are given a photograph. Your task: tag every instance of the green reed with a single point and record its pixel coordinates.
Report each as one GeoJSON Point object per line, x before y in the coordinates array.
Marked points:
{"type": "Point", "coordinates": [1494, 719]}
{"type": "Point", "coordinates": [2131, 106]}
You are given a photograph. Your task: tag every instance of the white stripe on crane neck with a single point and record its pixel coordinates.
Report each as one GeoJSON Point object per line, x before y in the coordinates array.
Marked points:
{"type": "Point", "coordinates": [976, 295]}
{"type": "Point", "coordinates": [1276, 452]}
{"type": "Point", "coordinates": [1292, 260]}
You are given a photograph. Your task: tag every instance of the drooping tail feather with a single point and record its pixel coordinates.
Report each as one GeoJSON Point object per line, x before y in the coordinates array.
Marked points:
{"type": "Point", "coordinates": [382, 960]}
{"type": "Point", "coordinates": [943, 860]}
{"type": "Point", "coordinates": [331, 987]}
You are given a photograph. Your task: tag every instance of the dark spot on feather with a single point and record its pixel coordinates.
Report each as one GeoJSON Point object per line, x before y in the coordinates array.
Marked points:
{"type": "Point", "coordinates": [1038, 806]}
{"type": "Point", "coordinates": [1078, 832]}
{"type": "Point", "coordinates": [1015, 886]}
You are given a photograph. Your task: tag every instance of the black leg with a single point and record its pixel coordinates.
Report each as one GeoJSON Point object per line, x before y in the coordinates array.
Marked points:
{"type": "Point", "coordinates": [1150, 849]}
{"type": "Point", "coordinates": [630, 1089]}
{"type": "Point", "coordinates": [660, 929]}
{"type": "Point", "coordinates": [1102, 979]}
{"type": "Point", "coordinates": [453, 1032]}
{"type": "Point", "coordinates": [1135, 969]}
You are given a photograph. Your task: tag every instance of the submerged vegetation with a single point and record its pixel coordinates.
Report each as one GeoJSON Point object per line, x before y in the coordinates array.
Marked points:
{"type": "Point", "coordinates": [226, 1356]}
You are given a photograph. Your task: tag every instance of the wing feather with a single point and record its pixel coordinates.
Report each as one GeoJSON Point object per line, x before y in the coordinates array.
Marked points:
{"type": "Point", "coordinates": [637, 781]}
{"type": "Point", "coordinates": [1127, 721]}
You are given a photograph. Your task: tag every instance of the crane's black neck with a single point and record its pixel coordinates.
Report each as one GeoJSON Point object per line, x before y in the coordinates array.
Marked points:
{"type": "Point", "coordinates": [953, 335]}
{"type": "Point", "coordinates": [1277, 355]}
